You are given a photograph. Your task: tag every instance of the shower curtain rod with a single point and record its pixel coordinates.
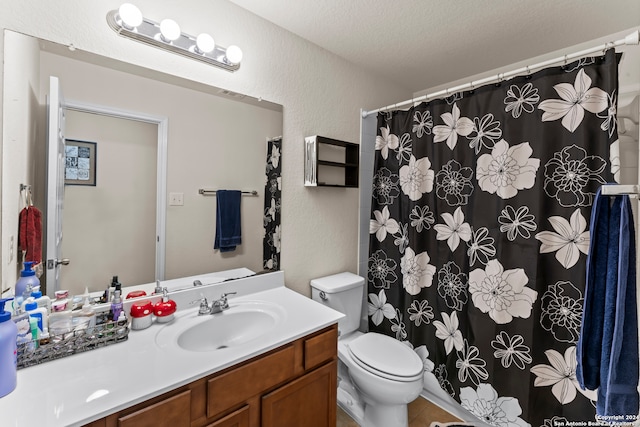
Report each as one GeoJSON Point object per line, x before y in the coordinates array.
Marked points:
{"type": "Point", "coordinates": [631, 39]}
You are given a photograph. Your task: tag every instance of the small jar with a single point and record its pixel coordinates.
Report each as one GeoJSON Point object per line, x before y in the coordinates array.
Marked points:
{"type": "Point", "coordinates": [62, 294]}
{"type": "Point", "coordinates": [141, 315]}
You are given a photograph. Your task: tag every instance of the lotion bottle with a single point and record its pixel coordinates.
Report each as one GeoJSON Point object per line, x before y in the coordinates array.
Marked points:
{"type": "Point", "coordinates": [116, 306]}
{"type": "Point", "coordinates": [8, 351]}
{"type": "Point", "coordinates": [27, 277]}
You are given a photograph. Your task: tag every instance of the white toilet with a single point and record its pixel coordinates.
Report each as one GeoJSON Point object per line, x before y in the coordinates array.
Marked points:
{"type": "Point", "coordinates": [378, 375]}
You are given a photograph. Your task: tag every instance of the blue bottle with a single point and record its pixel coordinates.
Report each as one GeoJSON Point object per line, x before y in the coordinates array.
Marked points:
{"type": "Point", "coordinates": [8, 351]}
{"type": "Point", "coordinates": [27, 277]}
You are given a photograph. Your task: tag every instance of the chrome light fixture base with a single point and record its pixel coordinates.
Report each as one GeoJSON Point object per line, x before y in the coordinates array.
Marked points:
{"type": "Point", "coordinates": [148, 32]}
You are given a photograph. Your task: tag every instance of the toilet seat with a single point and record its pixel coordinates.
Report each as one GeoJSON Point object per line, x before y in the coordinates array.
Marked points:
{"type": "Point", "coordinates": [386, 357]}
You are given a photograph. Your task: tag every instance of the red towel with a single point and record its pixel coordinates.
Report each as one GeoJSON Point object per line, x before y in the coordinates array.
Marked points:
{"type": "Point", "coordinates": [30, 234]}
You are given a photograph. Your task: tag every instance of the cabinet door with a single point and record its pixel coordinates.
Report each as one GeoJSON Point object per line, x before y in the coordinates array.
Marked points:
{"type": "Point", "coordinates": [174, 411]}
{"type": "Point", "coordinates": [309, 401]}
{"type": "Point", "coordinates": [239, 418]}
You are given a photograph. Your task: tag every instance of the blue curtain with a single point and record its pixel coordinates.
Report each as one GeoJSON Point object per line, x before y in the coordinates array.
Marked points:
{"type": "Point", "coordinates": [479, 236]}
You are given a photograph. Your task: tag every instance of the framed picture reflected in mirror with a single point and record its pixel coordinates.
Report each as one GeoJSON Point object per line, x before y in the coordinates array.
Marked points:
{"type": "Point", "coordinates": [80, 162]}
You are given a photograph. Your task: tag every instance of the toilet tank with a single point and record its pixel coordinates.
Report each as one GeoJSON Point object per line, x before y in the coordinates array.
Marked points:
{"type": "Point", "coordinates": [344, 293]}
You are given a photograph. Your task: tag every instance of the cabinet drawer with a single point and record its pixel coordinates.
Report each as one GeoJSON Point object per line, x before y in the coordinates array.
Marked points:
{"type": "Point", "coordinates": [171, 412]}
{"type": "Point", "coordinates": [238, 385]}
{"type": "Point", "coordinates": [321, 348]}
{"type": "Point", "coordinates": [239, 418]}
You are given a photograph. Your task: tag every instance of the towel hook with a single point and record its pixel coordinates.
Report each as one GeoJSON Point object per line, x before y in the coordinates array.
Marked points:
{"type": "Point", "coordinates": [25, 190]}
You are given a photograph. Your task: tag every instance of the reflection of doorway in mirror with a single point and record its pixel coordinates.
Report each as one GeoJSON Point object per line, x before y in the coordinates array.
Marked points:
{"type": "Point", "coordinates": [110, 229]}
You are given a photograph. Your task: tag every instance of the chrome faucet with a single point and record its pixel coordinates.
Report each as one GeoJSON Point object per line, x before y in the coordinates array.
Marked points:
{"type": "Point", "coordinates": [217, 306]}
{"type": "Point", "coordinates": [204, 306]}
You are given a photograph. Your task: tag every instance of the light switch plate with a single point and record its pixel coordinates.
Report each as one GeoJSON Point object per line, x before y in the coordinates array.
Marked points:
{"type": "Point", "coordinates": [176, 199]}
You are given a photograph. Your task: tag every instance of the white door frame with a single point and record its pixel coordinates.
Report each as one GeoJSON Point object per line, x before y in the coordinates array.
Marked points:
{"type": "Point", "coordinates": [162, 123]}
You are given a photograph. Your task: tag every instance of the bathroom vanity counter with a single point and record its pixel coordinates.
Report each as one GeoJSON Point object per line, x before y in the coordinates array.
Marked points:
{"type": "Point", "coordinates": [79, 389]}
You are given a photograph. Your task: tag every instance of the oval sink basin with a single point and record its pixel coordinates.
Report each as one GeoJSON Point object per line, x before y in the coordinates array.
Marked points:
{"type": "Point", "coordinates": [240, 324]}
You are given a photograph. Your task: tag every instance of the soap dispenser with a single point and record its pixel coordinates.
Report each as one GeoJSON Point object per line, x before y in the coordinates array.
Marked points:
{"type": "Point", "coordinates": [164, 309]}
{"type": "Point", "coordinates": [8, 351]}
{"type": "Point", "coordinates": [27, 278]}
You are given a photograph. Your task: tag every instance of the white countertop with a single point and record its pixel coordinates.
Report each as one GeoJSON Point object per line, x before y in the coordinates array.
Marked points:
{"type": "Point", "coordinates": [78, 389]}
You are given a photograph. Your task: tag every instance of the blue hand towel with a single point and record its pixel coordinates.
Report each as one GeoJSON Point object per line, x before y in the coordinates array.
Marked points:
{"type": "Point", "coordinates": [228, 231]}
{"type": "Point", "coordinates": [622, 379]}
{"type": "Point", "coordinates": [590, 340]}
{"type": "Point", "coordinates": [607, 350]}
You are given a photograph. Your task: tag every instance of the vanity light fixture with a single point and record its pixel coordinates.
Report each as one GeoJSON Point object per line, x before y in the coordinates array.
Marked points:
{"type": "Point", "coordinates": [128, 21]}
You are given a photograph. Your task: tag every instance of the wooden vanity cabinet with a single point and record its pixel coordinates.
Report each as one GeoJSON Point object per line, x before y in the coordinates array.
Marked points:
{"type": "Point", "coordinates": [291, 386]}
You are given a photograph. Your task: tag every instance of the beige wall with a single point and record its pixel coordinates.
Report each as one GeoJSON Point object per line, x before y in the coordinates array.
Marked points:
{"type": "Point", "coordinates": [321, 94]}
{"type": "Point", "coordinates": [109, 229]}
{"type": "Point", "coordinates": [21, 136]}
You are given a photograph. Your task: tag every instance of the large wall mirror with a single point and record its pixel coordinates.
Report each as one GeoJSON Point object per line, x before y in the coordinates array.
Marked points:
{"type": "Point", "coordinates": [143, 193]}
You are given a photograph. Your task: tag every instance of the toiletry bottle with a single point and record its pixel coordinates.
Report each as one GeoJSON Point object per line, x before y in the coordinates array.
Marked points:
{"type": "Point", "coordinates": [121, 327]}
{"type": "Point", "coordinates": [27, 277]}
{"type": "Point", "coordinates": [25, 297]}
{"type": "Point", "coordinates": [38, 313]}
{"type": "Point", "coordinates": [35, 331]}
{"type": "Point", "coordinates": [87, 311]}
{"type": "Point", "coordinates": [116, 306]}
{"type": "Point", "coordinates": [117, 286]}
{"type": "Point", "coordinates": [21, 321]}
{"type": "Point", "coordinates": [42, 300]}
{"type": "Point", "coordinates": [8, 351]}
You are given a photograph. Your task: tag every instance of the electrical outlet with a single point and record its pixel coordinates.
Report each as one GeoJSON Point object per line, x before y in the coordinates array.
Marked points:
{"type": "Point", "coordinates": [176, 199]}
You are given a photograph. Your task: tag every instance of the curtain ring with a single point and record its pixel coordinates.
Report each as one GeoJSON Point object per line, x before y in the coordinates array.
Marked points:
{"type": "Point", "coordinates": [607, 46]}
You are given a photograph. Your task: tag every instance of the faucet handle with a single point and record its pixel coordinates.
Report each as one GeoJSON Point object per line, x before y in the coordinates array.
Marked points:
{"type": "Point", "coordinates": [204, 305]}
{"type": "Point", "coordinates": [226, 294]}
{"type": "Point", "coordinates": [223, 299]}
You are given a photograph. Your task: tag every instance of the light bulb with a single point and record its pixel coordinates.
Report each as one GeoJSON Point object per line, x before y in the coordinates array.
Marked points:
{"type": "Point", "coordinates": [130, 15]}
{"type": "Point", "coordinates": [234, 54]}
{"type": "Point", "coordinates": [170, 30]}
{"type": "Point", "coordinates": [205, 43]}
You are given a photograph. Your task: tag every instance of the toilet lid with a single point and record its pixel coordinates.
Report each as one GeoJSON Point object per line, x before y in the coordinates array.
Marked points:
{"type": "Point", "coordinates": [386, 356]}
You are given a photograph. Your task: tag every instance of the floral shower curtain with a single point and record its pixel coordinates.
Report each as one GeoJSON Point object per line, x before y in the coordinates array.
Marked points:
{"type": "Point", "coordinates": [479, 235]}
{"type": "Point", "coordinates": [272, 203]}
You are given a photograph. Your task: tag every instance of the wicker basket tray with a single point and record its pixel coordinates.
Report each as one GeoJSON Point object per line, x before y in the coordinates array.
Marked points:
{"type": "Point", "coordinates": [59, 346]}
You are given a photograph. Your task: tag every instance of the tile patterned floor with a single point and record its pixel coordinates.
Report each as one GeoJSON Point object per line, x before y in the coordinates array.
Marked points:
{"type": "Point", "coordinates": [421, 414]}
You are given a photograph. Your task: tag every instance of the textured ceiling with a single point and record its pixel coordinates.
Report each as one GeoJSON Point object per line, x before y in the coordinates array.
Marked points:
{"type": "Point", "coordinates": [425, 43]}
